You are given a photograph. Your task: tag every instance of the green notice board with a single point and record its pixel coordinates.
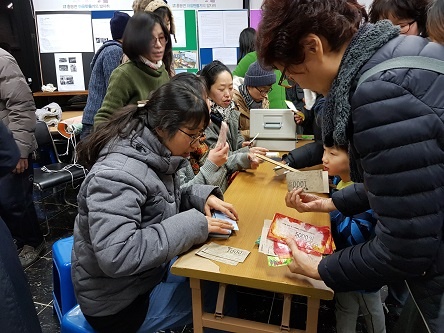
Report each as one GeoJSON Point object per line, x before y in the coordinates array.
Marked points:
{"type": "Point", "coordinates": [185, 52]}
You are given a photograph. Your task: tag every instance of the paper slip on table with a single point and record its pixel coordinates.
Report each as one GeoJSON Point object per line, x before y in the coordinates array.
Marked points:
{"type": "Point", "coordinates": [256, 195]}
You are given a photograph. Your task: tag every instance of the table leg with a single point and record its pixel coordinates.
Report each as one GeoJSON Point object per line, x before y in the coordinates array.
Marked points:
{"type": "Point", "coordinates": [312, 314]}
{"type": "Point", "coordinates": [286, 309]}
{"type": "Point", "coordinates": [196, 295]}
{"type": "Point", "coordinates": [220, 301]}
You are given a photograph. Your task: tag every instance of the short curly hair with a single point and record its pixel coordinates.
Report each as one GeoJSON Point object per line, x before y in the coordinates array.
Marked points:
{"type": "Point", "coordinates": [286, 22]}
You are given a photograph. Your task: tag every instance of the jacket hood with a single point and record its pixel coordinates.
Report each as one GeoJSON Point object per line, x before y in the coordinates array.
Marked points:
{"type": "Point", "coordinates": [144, 146]}
{"type": "Point", "coordinates": [105, 45]}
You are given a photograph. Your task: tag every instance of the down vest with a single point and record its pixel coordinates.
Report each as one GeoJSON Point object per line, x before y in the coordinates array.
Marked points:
{"type": "Point", "coordinates": [133, 219]}
{"type": "Point", "coordinates": [398, 140]}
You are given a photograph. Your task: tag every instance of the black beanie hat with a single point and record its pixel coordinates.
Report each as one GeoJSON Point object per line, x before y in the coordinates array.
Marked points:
{"type": "Point", "coordinates": [256, 76]}
{"type": "Point", "coordinates": [118, 23]}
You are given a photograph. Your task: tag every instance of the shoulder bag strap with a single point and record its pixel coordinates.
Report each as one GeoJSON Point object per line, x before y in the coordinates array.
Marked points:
{"type": "Point", "coordinates": [419, 62]}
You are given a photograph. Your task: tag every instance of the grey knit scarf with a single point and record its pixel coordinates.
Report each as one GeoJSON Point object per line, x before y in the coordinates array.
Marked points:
{"type": "Point", "coordinates": [336, 114]}
{"type": "Point", "coordinates": [244, 93]}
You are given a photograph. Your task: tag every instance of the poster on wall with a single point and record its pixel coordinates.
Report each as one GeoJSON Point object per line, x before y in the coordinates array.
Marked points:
{"type": "Point", "coordinates": [185, 59]}
{"type": "Point", "coordinates": [69, 71]}
{"type": "Point", "coordinates": [101, 27]}
{"type": "Point", "coordinates": [56, 33]}
{"type": "Point", "coordinates": [81, 5]}
{"type": "Point", "coordinates": [227, 55]}
{"type": "Point", "coordinates": [221, 28]}
{"type": "Point", "coordinates": [206, 4]}
{"type": "Point", "coordinates": [179, 23]}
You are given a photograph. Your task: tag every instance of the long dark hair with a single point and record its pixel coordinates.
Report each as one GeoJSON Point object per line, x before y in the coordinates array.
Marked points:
{"type": "Point", "coordinates": [247, 39]}
{"type": "Point", "coordinates": [286, 22]}
{"type": "Point", "coordinates": [176, 103]}
{"type": "Point", "coordinates": [137, 38]}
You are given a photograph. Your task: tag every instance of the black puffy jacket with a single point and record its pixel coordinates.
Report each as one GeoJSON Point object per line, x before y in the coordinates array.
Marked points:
{"type": "Point", "coordinates": [398, 139]}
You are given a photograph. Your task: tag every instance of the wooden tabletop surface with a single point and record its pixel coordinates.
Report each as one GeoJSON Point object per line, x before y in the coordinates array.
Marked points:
{"type": "Point", "coordinates": [256, 195]}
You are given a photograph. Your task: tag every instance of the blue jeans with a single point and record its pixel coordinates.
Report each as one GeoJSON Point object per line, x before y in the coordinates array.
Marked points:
{"type": "Point", "coordinates": [170, 303]}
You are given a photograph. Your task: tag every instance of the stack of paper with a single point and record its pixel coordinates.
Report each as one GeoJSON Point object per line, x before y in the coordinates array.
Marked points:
{"type": "Point", "coordinates": [226, 254]}
{"type": "Point", "coordinates": [309, 238]}
{"type": "Point", "coordinates": [222, 216]}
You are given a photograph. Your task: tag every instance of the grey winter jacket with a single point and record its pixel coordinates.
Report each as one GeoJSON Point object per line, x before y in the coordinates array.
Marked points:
{"type": "Point", "coordinates": [238, 155]}
{"type": "Point", "coordinates": [17, 108]}
{"type": "Point", "coordinates": [133, 219]}
{"type": "Point", "coordinates": [211, 174]}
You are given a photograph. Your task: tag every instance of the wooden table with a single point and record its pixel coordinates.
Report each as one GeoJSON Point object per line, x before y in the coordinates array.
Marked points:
{"type": "Point", "coordinates": [256, 195]}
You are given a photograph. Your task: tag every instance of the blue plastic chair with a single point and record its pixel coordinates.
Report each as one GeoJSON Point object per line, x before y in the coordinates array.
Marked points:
{"type": "Point", "coordinates": [63, 290]}
{"type": "Point", "coordinates": [74, 322]}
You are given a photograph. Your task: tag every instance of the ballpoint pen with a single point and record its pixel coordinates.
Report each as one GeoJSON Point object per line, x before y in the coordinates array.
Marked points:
{"type": "Point", "coordinates": [252, 140]}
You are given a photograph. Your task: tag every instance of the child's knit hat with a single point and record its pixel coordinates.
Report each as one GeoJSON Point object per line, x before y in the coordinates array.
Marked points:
{"type": "Point", "coordinates": [118, 23]}
{"type": "Point", "coordinates": [256, 76]}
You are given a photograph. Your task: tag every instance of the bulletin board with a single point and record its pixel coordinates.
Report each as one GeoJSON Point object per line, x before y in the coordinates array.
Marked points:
{"type": "Point", "coordinates": [218, 33]}
{"type": "Point", "coordinates": [71, 31]}
{"type": "Point", "coordinates": [185, 51]}
{"type": "Point", "coordinates": [65, 52]}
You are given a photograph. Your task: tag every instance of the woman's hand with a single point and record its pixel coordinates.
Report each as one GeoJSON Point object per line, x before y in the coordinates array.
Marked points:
{"type": "Point", "coordinates": [303, 263]}
{"type": "Point", "coordinates": [214, 203]}
{"type": "Point", "coordinates": [306, 202]}
{"type": "Point", "coordinates": [298, 119]}
{"type": "Point", "coordinates": [219, 154]}
{"type": "Point", "coordinates": [254, 161]}
{"type": "Point", "coordinates": [218, 226]}
{"type": "Point", "coordinates": [258, 150]}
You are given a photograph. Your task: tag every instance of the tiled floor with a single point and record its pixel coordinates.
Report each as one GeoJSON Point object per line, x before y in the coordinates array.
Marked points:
{"type": "Point", "coordinates": [267, 306]}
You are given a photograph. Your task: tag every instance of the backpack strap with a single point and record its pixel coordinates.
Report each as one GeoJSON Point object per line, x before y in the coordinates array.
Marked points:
{"type": "Point", "coordinates": [419, 62]}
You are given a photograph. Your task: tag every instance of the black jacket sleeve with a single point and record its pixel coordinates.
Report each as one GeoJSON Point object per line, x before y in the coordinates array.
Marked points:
{"type": "Point", "coordinates": [9, 153]}
{"type": "Point", "coordinates": [351, 200]}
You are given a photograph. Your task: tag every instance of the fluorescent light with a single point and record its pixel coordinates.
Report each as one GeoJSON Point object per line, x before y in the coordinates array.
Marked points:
{"type": "Point", "coordinates": [9, 6]}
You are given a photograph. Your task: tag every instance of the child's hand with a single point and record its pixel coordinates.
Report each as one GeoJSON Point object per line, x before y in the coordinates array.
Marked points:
{"type": "Point", "coordinates": [306, 202]}
{"type": "Point", "coordinates": [218, 226]}
{"type": "Point", "coordinates": [219, 154]}
{"type": "Point", "coordinates": [214, 203]}
{"type": "Point", "coordinates": [258, 150]}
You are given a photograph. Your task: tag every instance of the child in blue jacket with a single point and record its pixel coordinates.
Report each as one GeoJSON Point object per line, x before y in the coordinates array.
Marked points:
{"type": "Point", "coordinates": [348, 231]}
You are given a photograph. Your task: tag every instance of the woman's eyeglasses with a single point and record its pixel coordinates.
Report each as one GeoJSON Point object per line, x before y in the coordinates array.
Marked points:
{"type": "Point", "coordinates": [163, 40]}
{"type": "Point", "coordinates": [264, 92]}
{"type": "Point", "coordinates": [288, 84]}
{"type": "Point", "coordinates": [405, 27]}
{"type": "Point", "coordinates": [194, 138]}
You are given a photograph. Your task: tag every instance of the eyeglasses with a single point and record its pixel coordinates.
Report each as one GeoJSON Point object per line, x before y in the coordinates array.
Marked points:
{"type": "Point", "coordinates": [194, 138]}
{"type": "Point", "coordinates": [289, 84]}
{"type": "Point", "coordinates": [163, 40]}
{"type": "Point", "coordinates": [264, 92]}
{"type": "Point", "coordinates": [405, 27]}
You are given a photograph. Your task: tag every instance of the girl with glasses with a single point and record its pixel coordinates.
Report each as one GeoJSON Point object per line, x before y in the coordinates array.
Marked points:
{"type": "Point", "coordinates": [145, 42]}
{"type": "Point", "coordinates": [393, 127]}
{"type": "Point", "coordinates": [253, 94]}
{"type": "Point", "coordinates": [134, 219]}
